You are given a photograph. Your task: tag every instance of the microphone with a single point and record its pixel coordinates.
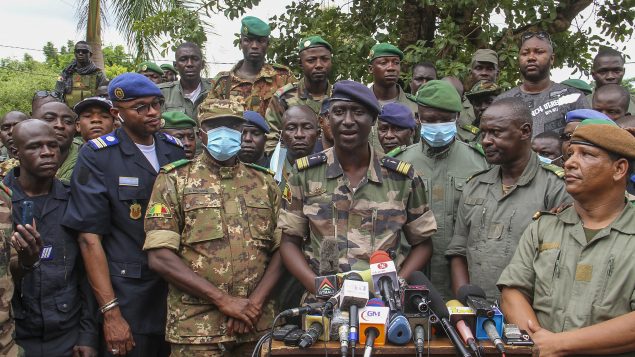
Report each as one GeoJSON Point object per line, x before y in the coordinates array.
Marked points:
{"type": "Point", "coordinates": [492, 334]}
{"type": "Point", "coordinates": [306, 309]}
{"type": "Point", "coordinates": [414, 299]}
{"type": "Point", "coordinates": [372, 322]}
{"type": "Point", "coordinates": [354, 293]}
{"type": "Point", "coordinates": [399, 331]}
{"type": "Point", "coordinates": [385, 281]}
{"type": "Point", "coordinates": [326, 282]}
{"type": "Point", "coordinates": [474, 297]}
{"type": "Point", "coordinates": [314, 330]}
{"type": "Point", "coordinates": [365, 274]}
{"type": "Point", "coordinates": [463, 319]}
{"type": "Point", "coordinates": [419, 339]}
{"type": "Point", "coordinates": [343, 333]}
{"type": "Point", "coordinates": [437, 306]}
{"type": "Point", "coordinates": [489, 323]}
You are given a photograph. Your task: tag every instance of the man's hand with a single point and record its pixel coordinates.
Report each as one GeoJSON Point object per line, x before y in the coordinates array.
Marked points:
{"type": "Point", "coordinates": [239, 309]}
{"type": "Point", "coordinates": [27, 242]}
{"type": "Point", "coordinates": [117, 334]}
{"type": "Point", "coordinates": [548, 342]}
{"type": "Point", "coordinates": [84, 351]}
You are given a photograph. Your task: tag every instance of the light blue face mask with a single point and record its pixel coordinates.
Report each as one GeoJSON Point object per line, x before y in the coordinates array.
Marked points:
{"type": "Point", "coordinates": [223, 143]}
{"type": "Point", "coordinates": [438, 134]}
{"type": "Point", "coordinates": [546, 160]}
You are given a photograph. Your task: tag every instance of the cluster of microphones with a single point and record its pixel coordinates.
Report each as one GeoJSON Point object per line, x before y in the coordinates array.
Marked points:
{"type": "Point", "coordinates": [372, 308]}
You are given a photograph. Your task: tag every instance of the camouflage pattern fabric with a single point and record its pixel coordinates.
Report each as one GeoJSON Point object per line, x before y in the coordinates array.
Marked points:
{"type": "Point", "coordinates": [8, 165]}
{"type": "Point", "coordinates": [7, 325]}
{"type": "Point", "coordinates": [65, 170]}
{"type": "Point", "coordinates": [255, 94]}
{"type": "Point", "coordinates": [319, 203]}
{"type": "Point", "coordinates": [220, 221]}
{"type": "Point", "coordinates": [284, 98]}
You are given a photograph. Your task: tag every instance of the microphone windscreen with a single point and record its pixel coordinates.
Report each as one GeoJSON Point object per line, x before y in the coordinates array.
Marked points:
{"type": "Point", "coordinates": [437, 305]}
{"type": "Point", "coordinates": [375, 302]}
{"type": "Point", "coordinates": [399, 331]}
{"type": "Point", "coordinates": [329, 257]}
{"type": "Point", "coordinates": [470, 290]}
{"type": "Point", "coordinates": [353, 276]}
{"type": "Point", "coordinates": [379, 256]}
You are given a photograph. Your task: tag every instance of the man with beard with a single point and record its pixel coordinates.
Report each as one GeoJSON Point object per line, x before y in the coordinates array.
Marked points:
{"type": "Point", "coordinates": [299, 133]}
{"type": "Point", "coordinates": [251, 79]}
{"type": "Point", "coordinates": [186, 94]}
{"type": "Point", "coordinates": [61, 118]}
{"type": "Point", "coordinates": [81, 78]}
{"type": "Point", "coordinates": [180, 126]}
{"type": "Point", "coordinates": [110, 189]}
{"type": "Point", "coordinates": [480, 97]}
{"type": "Point", "coordinates": [152, 71]}
{"type": "Point", "coordinates": [311, 90]}
{"type": "Point", "coordinates": [608, 68]}
{"type": "Point", "coordinates": [612, 100]}
{"type": "Point", "coordinates": [252, 146]}
{"type": "Point", "coordinates": [395, 128]}
{"type": "Point", "coordinates": [7, 123]}
{"type": "Point", "coordinates": [547, 101]}
{"type": "Point", "coordinates": [497, 204]}
{"type": "Point", "coordinates": [422, 73]}
{"type": "Point", "coordinates": [94, 118]}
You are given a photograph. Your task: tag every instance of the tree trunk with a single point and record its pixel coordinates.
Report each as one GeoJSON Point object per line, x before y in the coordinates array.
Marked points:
{"type": "Point", "coordinates": [93, 32]}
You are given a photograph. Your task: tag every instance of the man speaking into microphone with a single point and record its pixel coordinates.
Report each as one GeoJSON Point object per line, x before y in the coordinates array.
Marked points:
{"type": "Point", "coordinates": [355, 195]}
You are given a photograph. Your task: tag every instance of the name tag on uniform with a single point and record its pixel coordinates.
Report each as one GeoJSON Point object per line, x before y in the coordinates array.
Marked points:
{"type": "Point", "coordinates": [47, 252]}
{"type": "Point", "coordinates": [128, 181]}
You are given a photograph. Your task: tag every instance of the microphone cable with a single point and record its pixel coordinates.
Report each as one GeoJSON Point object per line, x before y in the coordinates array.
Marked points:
{"type": "Point", "coordinates": [273, 325]}
{"type": "Point", "coordinates": [257, 350]}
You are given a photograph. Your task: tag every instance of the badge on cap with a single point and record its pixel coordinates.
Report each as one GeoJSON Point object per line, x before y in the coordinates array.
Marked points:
{"type": "Point", "coordinates": [135, 211]}
{"type": "Point", "coordinates": [245, 30]}
{"type": "Point", "coordinates": [119, 94]}
{"type": "Point", "coordinates": [144, 67]}
{"type": "Point", "coordinates": [307, 43]}
{"type": "Point", "coordinates": [371, 54]}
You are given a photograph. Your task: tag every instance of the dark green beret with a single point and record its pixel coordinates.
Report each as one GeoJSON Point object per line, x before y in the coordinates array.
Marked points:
{"type": "Point", "coordinates": [578, 84]}
{"type": "Point", "coordinates": [438, 94]}
{"type": "Point", "coordinates": [254, 26]}
{"type": "Point", "coordinates": [313, 41]}
{"type": "Point", "coordinates": [149, 66]}
{"type": "Point", "coordinates": [168, 67]}
{"type": "Point", "coordinates": [176, 120]}
{"type": "Point", "coordinates": [383, 50]}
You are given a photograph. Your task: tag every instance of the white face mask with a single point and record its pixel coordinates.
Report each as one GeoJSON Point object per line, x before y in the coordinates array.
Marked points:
{"type": "Point", "coordinates": [548, 161]}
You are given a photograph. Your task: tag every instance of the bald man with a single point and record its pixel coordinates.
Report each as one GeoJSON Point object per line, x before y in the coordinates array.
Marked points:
{"type": "Point", "coordinates": [612, 100]}
{"type": "Point", "coordinates": [299, 134]}
{"type": "Point", "coordinates": [7, 123]}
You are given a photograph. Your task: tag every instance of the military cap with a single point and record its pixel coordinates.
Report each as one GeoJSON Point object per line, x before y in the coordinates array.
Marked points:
{"type": "Point", "coordinates": [352, 91]}
{"type": "Point", "coordinates": [397, 114]}
{"type": "Point", "coordinates": [313, 41]}
{"type": "Point", "coordinates": [608, 136]}
{"type": "Point", "coordinates": [149, 66]}
{"type": "Point", "coordinates": [220, 108]}
{"type": "Point", "coordinates": [484, 55]}
{"type": "Point", "coordinates": [438, 94]}
{"type": "Point", "coordinates": [168, 67]}
{"type": "Point", "coordinates": [483, 87]}
{"type": "Point", "coordinates": [383, 50]}
{"type": "Point", "coordinates": [578, 84]}
{"type": "Point", "coordinates": [129, 86]}
{"type": "Point", "coordinates": [324, 108]}
{"type": "Point", "coordinates": [90, 102]}
{"type": "Point", "coordinates": [254, 118]}
{"type": "Point", "coordinates": [251, 25]}
{"type": "Point", "coordinates": [582, 114]}
{"type": "Point", "coordinates": [176, 120]}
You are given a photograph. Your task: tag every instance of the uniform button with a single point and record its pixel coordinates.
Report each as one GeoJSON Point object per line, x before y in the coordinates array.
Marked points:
{"type": "Point", "coordinates": [64, 305]}
{"type": "Point", "coordinates": [123, 272]}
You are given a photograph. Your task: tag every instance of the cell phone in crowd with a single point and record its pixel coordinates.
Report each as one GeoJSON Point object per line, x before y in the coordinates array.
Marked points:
{"type": "Point", "coordinates": [27, 213]}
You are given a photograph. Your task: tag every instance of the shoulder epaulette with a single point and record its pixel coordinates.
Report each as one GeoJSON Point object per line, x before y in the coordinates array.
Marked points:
{"type": "Point", "coordinates": [539, 214]}
{"type": "Point", "coordinates": [559, 171]}
{"type": "Point", "coordinates": [173, 165]}
{"type": "Point", "coordinates": [310, 161]}
{"type": "Point", "coordinates": [396, 151]}
{"type": "Point", "coordinates": [477, 147]}
{"type": "Point", "coordinates": [402, 167]}
{"type": "Point", "coordinates": [6, 189]}
{"type": "Point", "coordinates": [220, 75]}
{"type": "Point", "coordinates": [471, 128]}
{"type": "Point", "coordinates": [286, 88]}
{"type": "Point", "coordinates": [260, 168]}
{"type": "Point", "coordinates": [103, 141]}
{"type": "Point", "coordinates": [477, 173]}
{"type": "Point", "coordinates": [280, 66]}
{"type": "Point", "coordinates": [171, 139]}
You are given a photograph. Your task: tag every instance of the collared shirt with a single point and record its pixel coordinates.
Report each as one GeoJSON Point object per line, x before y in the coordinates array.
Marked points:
{"type": "Point", "coordinates": [489, 224]}
{"type": "Point", "coordinates": [571, 283]}
{"type": "Point", "coordinates": [403, 99]}
{"type": "Point", "coordinates": [65, 171]}
{"type": "Point", "coordinates": [8, 347]}
{"type": "Point", "coordinates": [221, 222]}
{"type": "Point", "coordinates": [320, 203]}
{"type": "Point", "coordinates": [177, 101]}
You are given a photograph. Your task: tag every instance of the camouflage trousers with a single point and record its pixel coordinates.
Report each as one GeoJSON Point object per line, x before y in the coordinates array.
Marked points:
{"type": "Point", "coordinates": [213, 350]}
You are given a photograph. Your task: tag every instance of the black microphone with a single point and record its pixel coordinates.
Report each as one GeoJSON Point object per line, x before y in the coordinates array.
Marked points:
{"type": "Point", "coordinates": [371, 334]}
{"type": "Point", "coordinates": [474, 296]}
{"type": "Point", "coordinates": [306, 309]}
{"type": "Point", "coordinates": [311, 335]}
{"type": "Point", "coordinates": [437, 306]}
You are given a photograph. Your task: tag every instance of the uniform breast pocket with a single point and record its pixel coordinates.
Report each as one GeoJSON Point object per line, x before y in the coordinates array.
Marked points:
{"type": "Point", "coordinates": [175, 109]}
{"type": "Point", "coordinates": [260, 217]}
{"type": "Point", "coordinates": [458, 183]}
{"type": "Point", "coordinates": [203, 218]}
{"type": "Point", "coordinates": [133, 193]}
{"type": "Point", "coordinates": [546, 266]}
{"type": "Point", "coordinates": [322, 215]}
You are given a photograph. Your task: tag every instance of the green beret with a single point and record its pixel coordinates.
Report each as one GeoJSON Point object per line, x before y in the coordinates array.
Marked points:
{"type": "Point", "coordinates": [176, 120]}
{"type": "Point", "coordinates": [483, 87]}
{"type": "Point", "coordinates": [578, 84]}
{"type": "Point", "coordinates": [313, 41]}
{"type": "Point", "coordinates": [383, 50]}
{"type": "Point", "coordinates": [609, 137]}
{"type": "Point", "coordinates": [168, 67]}
{"type": "Point", "coordinates": [149, 66]}
{"type": "Point", "coordinates": [438, 94]}
{"type": "Point", "coordinates": [254, 26]}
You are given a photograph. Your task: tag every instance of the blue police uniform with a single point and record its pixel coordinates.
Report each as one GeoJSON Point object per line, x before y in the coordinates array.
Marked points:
{"type": "Point", "coordinates": [110, 187]}
{"type": "Point", "coordinates": [54, 307]}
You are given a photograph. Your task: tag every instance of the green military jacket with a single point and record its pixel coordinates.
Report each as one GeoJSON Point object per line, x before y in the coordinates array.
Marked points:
{"type": "Point", "coordinates": [220, 221]}
{"type": "Point", "coordinates": [288, 96]}
{"type": "Point", "coordinates": [489, 224]}
{"type": "Point", "coordinates": [571, 283]}
{"type": "Point", "coordinates": [444, 175]}
{"type": "Point", "coordinates": [7, 325]}
{"type": "Point", "coordinates": [65, 170]}
{"type": "Point", "coordinates": [319, 204]}
{"type": "Point", "coordinates": [256, 93]}
{"type": "Point", "coordinates": [466, 131]}
{"type": "Point", "coordinates": [176, 102]}
{"type": "Point", "coordinates": [403, 99]}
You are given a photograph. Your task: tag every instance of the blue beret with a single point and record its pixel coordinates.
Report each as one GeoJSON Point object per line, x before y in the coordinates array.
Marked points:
{"type": "Point", "coordinates": [254, 118]}
{"type": "Point", "coordinates": [352, 91]}
{"type": "Point", "coordinates": [582, 114]}
{"type": "Point", "coordinates": [397, 114]}
{"type": "Point", "coordinates": [324, 109]}
{"type": "Point", "coordinates": [129, 86]}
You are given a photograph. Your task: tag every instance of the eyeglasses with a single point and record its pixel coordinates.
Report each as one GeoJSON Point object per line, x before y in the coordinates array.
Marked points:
{"type": "Point", "coordinates": [84, 52]}
{"type": "Point", "coordinates": [540, 34]}
{"type": "Point", "coordinates": [45, 93]}
{"type": "Point", "coordinates": [565, 136]}
{"type": "Point", "coordinates": [143, 109]}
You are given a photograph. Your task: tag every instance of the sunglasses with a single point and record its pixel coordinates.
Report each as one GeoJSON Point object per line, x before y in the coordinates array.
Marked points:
{"type": "Point", "coordinates": [84, 52]}
{"type": "Point", "coordinates": [45, 93]}
{"type": "Point", "coordinates": [540, 34]}
{"type": "Point", "coordinates": [143, 109]}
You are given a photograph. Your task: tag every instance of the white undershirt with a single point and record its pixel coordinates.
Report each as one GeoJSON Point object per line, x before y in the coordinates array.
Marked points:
{"type": "Point", "coordinates": [193, 96]}
{"type": "Point", "coordinates": [150, 152]}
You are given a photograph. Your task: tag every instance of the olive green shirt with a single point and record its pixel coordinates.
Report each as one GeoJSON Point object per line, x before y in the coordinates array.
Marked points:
{"type": "Point", "coordinates": [490, 224]}
{"type": "Point", "coordinates": [466, 130]}
{"type": "Point", "coordinates": [373, 138]}
{"type": "Point", "coordinates": [65, 170]}
{"type": "Point", "coordinates": [631, 103]}
{"type": "Point", "coordinates": [571, 283]}
{"type": "Point", "coordinates": [175, 101]}
{"type": "Point", "coordinates": [444, 174]}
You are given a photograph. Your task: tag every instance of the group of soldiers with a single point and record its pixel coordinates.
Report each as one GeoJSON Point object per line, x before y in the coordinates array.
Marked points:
{"type": "Point", "coordinates": [156, 215]}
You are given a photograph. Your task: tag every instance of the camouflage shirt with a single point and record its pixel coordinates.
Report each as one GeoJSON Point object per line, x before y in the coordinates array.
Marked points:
{"type": "Point", "coordinates": [220, 221]}
{"type": "Point", "coordinates": [319, 203]}
{"type": "Point", "coordinates": [7, 325]}
{"type": "Point", "coordinates": [7, 165]}
{"type": "Point", "coordinates": [255, 94]}
{"type": "Point", "coordinates": [285, 97]}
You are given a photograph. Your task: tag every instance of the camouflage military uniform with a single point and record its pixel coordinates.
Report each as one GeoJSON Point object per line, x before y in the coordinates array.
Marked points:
{"type": "Point", "coordinates": [318, 203]}
{"type": "Point", "coordinates": [220, 221]}
{"type": "Point", "coordinates": [8, 165]}
{"type": "Point", "coordinates": [256, 94]}
{"type": "Point", "coordinates": [285, 97]}
{"type": "Point", "coordinates": [65, 171]}
{"type": "Point", "coordinates": [7, 325]}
